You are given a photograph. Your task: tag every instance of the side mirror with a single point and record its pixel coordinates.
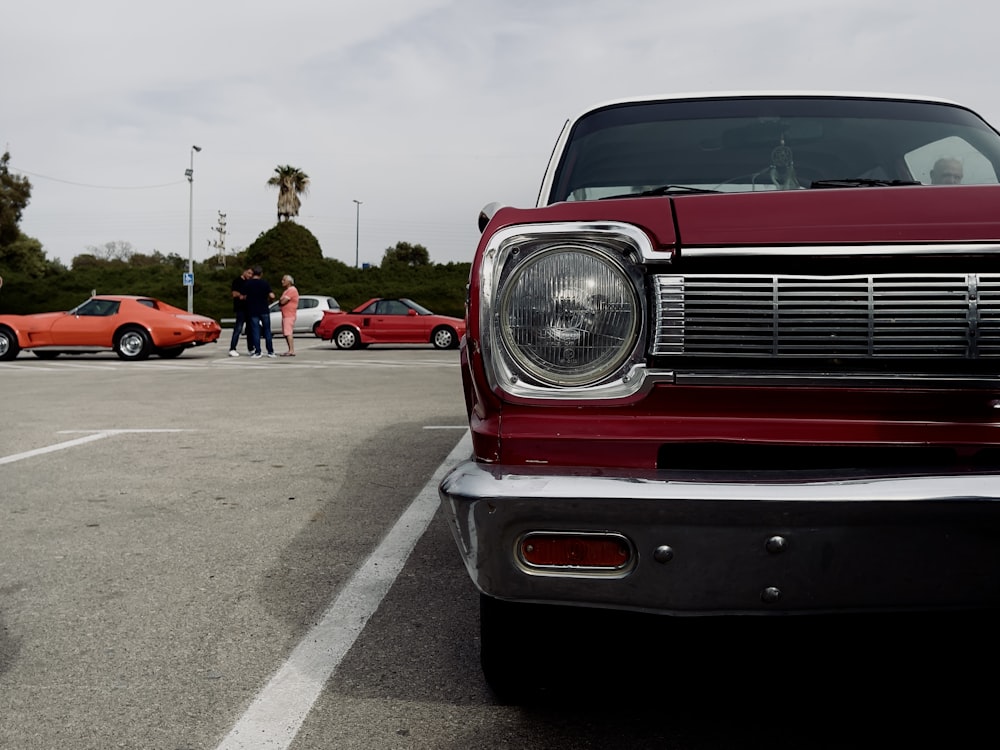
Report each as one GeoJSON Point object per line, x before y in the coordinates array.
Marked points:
{"type": "Point", "coordinates": [487, 213]}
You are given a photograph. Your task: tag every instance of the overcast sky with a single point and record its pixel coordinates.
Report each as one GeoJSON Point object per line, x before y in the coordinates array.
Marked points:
{"type": "Point", "coordinates": [423, 110]}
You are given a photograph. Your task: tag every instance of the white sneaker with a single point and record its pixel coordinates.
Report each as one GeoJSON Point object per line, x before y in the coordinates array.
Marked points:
{"type": "Point", "coordinates": [255, 356]}
{"type": "Point", "coordinates": [233, 353]}
{"type": "Point", "coordinates": [272, 355]}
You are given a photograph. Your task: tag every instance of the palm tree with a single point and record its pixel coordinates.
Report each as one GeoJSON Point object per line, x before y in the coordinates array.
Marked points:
{"type": "Point", "coordinates": [291, 182]}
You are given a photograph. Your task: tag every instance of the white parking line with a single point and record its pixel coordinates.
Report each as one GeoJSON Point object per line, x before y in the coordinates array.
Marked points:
{"type": "Point", "coordinates": [50, 448]}
{"type": "Point", "coordinates": [89, 438]}
{"type": "Point", "coordinates": [277, 713]}
{"type": "Point", "coordinates": [96, 365]}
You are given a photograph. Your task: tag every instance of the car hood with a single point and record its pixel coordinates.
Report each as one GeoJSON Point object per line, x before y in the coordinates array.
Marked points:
{"type": "Point", "coordinates": [35, 321]}
{"type": "Point", "coordinates": [907, 214]}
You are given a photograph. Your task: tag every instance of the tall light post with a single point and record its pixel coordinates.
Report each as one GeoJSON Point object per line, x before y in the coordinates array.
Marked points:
{"type": "Point", "coordinates": [357, 230]}
{"type": "Point", "coordinates": [189, 173]}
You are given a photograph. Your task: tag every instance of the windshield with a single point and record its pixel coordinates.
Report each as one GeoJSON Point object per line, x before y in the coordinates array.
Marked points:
{"type": "Point", "coordinates": [96, 307]}
{"type": "Point", "coordinates": [421, 310]}
{"type": "Point", "coordinates": [771, 143]}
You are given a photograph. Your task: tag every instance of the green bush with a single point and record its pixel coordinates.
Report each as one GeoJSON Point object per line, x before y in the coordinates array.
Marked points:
{"type": "Point", "coordinates": [286, 248]}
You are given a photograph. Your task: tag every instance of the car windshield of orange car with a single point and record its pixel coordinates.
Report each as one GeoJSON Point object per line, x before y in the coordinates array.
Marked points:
{"type": "Point", "coordinates": [766, 143]}
{"type": "Point", "coordinates": [97, 307]}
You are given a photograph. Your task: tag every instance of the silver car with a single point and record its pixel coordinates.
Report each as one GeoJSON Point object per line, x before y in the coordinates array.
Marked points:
{"type": "Point", "coordinates": [309, 314]}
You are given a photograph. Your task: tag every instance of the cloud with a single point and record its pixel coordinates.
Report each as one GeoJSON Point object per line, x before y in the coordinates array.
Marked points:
{"type": "Point", "coordinates": [424, 110]}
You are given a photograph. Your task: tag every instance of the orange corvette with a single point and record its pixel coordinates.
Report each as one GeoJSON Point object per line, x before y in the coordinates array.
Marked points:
{"type": "Point", "coordinates": [132, 327]}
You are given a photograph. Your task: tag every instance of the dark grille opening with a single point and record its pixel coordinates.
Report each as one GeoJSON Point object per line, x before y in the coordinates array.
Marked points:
{"type": "Point", "coordinates": [722, 457]}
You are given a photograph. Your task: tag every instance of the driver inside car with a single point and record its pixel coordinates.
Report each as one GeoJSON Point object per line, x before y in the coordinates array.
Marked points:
{"type": "Point", "coordinates": [947, 171]}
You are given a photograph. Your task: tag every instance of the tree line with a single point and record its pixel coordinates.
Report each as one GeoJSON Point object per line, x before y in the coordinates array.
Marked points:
{"type": "Point", "coordinates": [440, 287]}
{"type": "Point", "coordinates": [33, 283]}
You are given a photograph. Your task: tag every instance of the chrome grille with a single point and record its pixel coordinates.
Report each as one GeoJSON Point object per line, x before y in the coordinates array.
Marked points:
{"type": "Point", "coordinates": [916, 316]}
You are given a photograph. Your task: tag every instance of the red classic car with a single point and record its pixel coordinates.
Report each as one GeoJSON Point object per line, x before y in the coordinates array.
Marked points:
{"type": "Point", "coordinates": [131, 326]}
{"type": "Point", "coordinates": [390, 321]}
{"type": "Point", "coordinates": [740, 360]}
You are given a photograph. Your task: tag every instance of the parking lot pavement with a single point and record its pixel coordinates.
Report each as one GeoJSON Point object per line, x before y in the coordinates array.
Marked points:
{"type": "Point", "coordinates": [171, 533]}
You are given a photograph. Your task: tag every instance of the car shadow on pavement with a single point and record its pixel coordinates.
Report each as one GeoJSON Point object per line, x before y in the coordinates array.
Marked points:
{"type": "Point", "coordinates": [9, 648]}
{"type": "Point", "coordinates": [351, 518]}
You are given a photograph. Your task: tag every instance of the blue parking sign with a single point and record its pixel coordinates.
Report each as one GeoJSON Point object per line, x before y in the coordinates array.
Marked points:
{"type": "Point", "coordinates": [188, 279]}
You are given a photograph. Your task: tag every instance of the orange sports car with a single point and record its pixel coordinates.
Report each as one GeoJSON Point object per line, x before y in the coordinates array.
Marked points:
{"type": "Point", "coordinates": [132, 327]}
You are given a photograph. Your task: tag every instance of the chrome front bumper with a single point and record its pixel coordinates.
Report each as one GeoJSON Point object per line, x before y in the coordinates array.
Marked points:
{"type": "Point", "coordinates": [728, 544]}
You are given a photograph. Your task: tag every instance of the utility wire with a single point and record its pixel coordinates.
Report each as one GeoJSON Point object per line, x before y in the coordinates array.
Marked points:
{"type": "Point", "coordinates": [97, 187]}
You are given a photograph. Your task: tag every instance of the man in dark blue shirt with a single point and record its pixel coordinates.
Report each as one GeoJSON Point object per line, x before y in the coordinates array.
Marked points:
{"type": "Point", "coordinates": [240, 311]}
{"type": "Point", "coordinates": [259, 296]}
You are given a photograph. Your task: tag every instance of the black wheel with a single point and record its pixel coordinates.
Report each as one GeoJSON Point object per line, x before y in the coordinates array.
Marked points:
{"type": "Point", "coordinates": [46, 355]}
{"type": "Point", "coordinates": [133, 343]}
{"type": "Point", "coordinates": [498, 646]}
{"type": "Point", "coordinates": [8, 344]}
{"type": "Point", "coordinates": [346, 338]}
{"type": "Point", "coordinates": [541, 653]}
{"type": "Point", "coordinates": [444, 337]}
{"type": "Point", "coordinates": [170, 353]}
{"type": "Point", "coordinates": [523, 648]}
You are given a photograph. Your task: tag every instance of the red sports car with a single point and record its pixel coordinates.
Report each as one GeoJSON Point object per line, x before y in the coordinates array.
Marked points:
{"type": "Point", "coordinates": [133, 327]}
{"type": "Point", "coordinates": [390, 321]}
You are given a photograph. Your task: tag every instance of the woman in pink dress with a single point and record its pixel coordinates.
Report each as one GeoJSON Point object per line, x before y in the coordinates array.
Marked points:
{"type": "Point", "coordinates": [289, 303]}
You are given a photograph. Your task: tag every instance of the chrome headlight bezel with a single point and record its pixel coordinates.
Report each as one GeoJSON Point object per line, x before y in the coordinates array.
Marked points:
{"type": "Point", "coordinates": [615, 250]}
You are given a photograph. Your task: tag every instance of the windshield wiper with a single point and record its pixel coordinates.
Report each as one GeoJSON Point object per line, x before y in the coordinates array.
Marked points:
{"type": "Point", "coordinates": [662, 190]}
{"type": "Point", "coordinates": [849, 182]}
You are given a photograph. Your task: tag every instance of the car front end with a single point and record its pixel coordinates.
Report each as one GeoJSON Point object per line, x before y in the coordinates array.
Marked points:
{"type": "Point", "coordinates": [652, 435]}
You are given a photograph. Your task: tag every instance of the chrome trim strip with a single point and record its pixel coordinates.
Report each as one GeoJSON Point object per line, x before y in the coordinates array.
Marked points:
{"type": "Point", "coordinates": [496, 483]}
{"type": "Point", "coordinates": [574, 231]}
{"type": "Point", "coordinates": [645, 380]}
{"type": "Point", "coordinates": [841, 251]}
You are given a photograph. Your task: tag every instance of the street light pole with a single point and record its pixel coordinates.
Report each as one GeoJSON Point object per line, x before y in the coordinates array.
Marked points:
{"type": "Point", "coordinates": [357, 230]}
{"type": "Point", "coordinates": [189, 173]}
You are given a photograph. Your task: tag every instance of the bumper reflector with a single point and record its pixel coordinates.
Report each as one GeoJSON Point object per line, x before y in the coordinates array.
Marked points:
{"type": "Point", "coordinates": [608, 552]}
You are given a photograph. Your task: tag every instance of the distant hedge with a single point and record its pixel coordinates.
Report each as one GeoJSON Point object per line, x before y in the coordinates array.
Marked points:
{"type": "Point", "coordinates": [286, 248]}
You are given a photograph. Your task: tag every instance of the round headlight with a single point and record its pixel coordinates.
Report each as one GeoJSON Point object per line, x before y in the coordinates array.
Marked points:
{"type": "Point", "coordinates": [568, 315]}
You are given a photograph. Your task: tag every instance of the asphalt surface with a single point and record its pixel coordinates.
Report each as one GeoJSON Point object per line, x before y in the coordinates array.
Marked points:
{"type": "Point", "coordinates": [173, 532]}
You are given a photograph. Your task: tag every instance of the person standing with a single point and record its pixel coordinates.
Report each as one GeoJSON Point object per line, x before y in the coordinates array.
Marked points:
{"type": "Point", "coordinates": [259, 296]}
{"type": "Point", "coordinates": [240, 311]}
{"type": "Point", "coordinates": [289, 303]}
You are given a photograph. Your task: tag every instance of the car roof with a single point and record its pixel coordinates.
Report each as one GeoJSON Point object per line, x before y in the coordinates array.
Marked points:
{"type": "Point", "coordinates": [764, 94]}
{"type": "Point", "coordinates": [123, 296]}
{"type": "Point", "coordinates": [759, 94]}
